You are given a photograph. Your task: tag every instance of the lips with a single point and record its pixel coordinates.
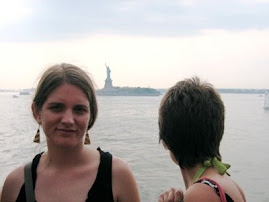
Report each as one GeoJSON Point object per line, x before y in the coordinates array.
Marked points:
{"type": "Point", "coordinates": [66, 130]}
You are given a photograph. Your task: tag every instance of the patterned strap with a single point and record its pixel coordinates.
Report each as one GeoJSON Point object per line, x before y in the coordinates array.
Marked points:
{"type": "Point", "coordinates": [215, 186]}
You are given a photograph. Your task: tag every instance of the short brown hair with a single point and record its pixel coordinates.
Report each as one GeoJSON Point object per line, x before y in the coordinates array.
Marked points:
{"type": "Point", "coordinates": [191, 121]}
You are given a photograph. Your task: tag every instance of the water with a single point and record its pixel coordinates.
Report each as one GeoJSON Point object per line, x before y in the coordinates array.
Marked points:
{"type": "Point", "coordinates": [127, 127]}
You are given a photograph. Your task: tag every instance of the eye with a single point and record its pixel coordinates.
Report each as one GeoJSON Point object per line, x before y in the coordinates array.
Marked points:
{"type": "Point", "coordinates": [56, 107]}
{"type": "Point", "coordinates": [81, 109]}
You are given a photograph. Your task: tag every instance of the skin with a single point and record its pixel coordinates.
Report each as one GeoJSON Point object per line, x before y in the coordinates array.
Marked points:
{"type": "Point", "coordinates": [67, 171]}
{"type": "Point", "coordinates": [171, 195]}
{"type": "Point", "coordinates": [201, 192]}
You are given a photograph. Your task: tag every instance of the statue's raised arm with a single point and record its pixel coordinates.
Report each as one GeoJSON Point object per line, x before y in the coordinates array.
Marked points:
{"type": "Point", "coordinates": [107, 72]}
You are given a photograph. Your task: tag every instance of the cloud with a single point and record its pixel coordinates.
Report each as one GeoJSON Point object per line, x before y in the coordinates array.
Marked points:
{"type": "Point", "coordinates": [59, 20]}
{"type": "Point", "coordinates": [13, 11]}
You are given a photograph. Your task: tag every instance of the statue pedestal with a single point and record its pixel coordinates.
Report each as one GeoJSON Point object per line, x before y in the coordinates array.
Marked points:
{"type": "Point", "coordinates": [108, 84]}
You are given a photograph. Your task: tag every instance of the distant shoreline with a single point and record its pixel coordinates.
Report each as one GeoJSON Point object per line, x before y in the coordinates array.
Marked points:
{"type": "Point", "coordinates": [234, 91]}
{"type": "Point", "coordinates": [243, 91]}
{"type": "Point", "coordinates": [163, 90]}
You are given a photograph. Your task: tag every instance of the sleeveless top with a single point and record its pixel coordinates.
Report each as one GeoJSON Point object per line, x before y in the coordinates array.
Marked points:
{"type": "Point", "coordinates": [101, 190]}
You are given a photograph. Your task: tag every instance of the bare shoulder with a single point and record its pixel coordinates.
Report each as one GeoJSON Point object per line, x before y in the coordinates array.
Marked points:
{"type": "Point", "coordinates": [200, 192]}
{"type": "Point", "coordinates": [119, 164]}
{"type": "Point", "coordinates": [123, 182]}
{"type": "Point", "coordinates": [13, 184]}
{"type": "Point", "coordinates": [121, 171]}
{"type": "Point", "coordinates": [231, 188]}
{"type": "Point", "coordinates": [241, 192]}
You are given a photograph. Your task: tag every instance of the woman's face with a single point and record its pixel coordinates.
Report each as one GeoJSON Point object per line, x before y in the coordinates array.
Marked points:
{"type": "Point", "coordinates": [64, 116]}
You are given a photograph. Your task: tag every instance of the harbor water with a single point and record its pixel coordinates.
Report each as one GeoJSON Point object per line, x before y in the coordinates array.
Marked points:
{"type": "Point", "coordinates": [128, 128]}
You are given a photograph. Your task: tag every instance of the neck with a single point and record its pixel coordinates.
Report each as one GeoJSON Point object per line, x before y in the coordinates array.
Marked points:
{"type": "Point", "coordinates": [188, 175]}
{"type": "Point", "coordinates": [64, 157]}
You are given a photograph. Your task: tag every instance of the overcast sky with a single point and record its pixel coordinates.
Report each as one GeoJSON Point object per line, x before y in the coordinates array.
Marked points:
{"type": "Point", "coordinates": [146, 43]}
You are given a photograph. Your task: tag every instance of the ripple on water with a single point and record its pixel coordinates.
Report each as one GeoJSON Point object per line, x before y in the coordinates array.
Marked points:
{"type": "Point", "coordinates": [128, 127]}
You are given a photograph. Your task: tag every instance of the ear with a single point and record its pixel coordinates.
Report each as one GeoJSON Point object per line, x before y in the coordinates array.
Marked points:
{"type": "Point", "coordinates": [36, 113]}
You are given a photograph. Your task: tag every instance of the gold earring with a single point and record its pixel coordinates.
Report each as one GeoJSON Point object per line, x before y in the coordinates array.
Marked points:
{"type": "Point", "coordinates": [37, 136]}
{"type": "Point", "coordinates": [87, 139]}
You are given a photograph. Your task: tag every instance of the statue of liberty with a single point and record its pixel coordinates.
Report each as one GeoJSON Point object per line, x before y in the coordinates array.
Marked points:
{"type": "Point", "coordinates": [108, 81]}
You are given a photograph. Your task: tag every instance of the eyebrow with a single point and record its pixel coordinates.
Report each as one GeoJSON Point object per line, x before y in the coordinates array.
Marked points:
{"type": "Point", "coordinates": [54, 103]}
{"type": "Point", "coordinates": [57, 103]}
{"type": "Point", "coordinates": [82, 105]}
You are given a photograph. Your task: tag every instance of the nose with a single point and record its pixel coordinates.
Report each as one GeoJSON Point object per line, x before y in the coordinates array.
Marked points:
{"type": "Point", "coordinates": [68, 117]}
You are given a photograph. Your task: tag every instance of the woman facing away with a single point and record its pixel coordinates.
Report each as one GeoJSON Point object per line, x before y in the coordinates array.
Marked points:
{"type": "Point", "coordinates": [191, 126]}
{"type": "Point", "coordinates": [65, 107]}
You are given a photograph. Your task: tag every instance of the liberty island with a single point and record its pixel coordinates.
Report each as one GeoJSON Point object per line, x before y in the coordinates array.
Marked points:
{"type": "Point", "coordinates": [110, 90]}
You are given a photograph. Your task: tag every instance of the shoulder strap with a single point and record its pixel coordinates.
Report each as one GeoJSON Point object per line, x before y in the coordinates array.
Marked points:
{"type": "Point", "coordinates": [106, 173]}
{"type": "Point", "coordinates": [101, 189]}
{"type": "Point", "coordinates": [30, 195]}
{"type": "Point", "coordinates": [220, 192]}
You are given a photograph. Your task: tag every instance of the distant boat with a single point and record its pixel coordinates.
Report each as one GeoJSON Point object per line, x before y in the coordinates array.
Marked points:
{"type": "Point", "coordinates": [266, 101]}
{"type": "Point", "coordinates": [24, 92]}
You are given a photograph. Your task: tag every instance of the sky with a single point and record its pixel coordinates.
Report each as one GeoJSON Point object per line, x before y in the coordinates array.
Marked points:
{"type": "Point", "coordinates": [146, 43]}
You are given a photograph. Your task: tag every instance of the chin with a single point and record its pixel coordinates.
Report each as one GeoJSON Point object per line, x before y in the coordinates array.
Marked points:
{"type": "Point", "coordinates": [67, 143]}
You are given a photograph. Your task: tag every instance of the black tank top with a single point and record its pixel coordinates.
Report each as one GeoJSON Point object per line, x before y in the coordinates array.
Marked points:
{"type": "Point", "coordinates": [102, 187]}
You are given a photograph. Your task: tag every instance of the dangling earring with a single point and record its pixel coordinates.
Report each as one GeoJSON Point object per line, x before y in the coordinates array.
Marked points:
{"type": "Point", "coordinates": [37, 136]}
{"type": "Point", "coordinates": [87, 139]}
